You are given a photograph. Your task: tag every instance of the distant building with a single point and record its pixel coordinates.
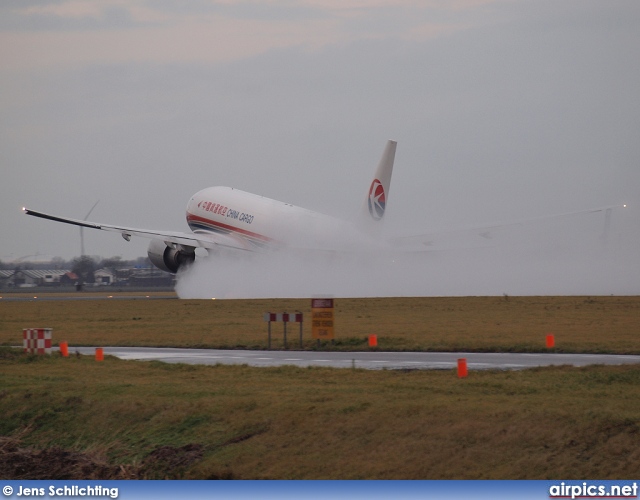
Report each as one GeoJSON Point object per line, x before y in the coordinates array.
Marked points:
{"type": "Point", "coordinates": [122, 275]}
{"type": "Point", "coordinates": [5, 276]}
{"type": "Point", "coordinates": [151, 277]}
{"type": "Point", "coordinates": [104, 276]}
{"type": "Point", "coordinates": [69, 279]}
{"type": "Point", "coordinates": [25, 278]}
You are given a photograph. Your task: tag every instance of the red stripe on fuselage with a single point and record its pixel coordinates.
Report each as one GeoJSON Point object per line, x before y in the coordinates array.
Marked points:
{"type": "Point", "coordinates": [227, 227]}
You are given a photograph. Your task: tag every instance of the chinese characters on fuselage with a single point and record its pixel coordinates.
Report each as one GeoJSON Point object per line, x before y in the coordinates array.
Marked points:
{"type": "Point", "coordinates": [225, 211]}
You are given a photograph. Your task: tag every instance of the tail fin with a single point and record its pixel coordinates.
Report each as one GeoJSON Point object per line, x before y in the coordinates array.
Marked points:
{"type": "Point", "coordinates": [375, 204]}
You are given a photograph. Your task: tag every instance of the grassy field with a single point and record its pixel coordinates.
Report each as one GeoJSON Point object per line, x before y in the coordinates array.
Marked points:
{"type": "Point", "coordinates": [580, 324]}
{"type": "Point", "coordinates": [76, 418]}
{"type": "Point", "coordinates": [125, 419]}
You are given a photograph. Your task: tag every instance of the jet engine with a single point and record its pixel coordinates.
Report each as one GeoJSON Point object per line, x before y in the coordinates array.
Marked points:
{"type": "Point", "coordinates": [170, 257]}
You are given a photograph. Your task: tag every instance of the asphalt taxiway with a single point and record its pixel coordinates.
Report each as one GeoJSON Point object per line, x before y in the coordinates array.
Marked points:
{"type": "Point", "coordinates": [49, 298]}
{"type": "Point", "coordinates": [367, 360]}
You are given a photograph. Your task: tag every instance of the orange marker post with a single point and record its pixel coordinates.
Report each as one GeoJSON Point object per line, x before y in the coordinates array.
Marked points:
{"type": "Point", "coordinates": [462, 368]}
{"type": "Point", "coordinates": [99, 354]}
{"type": "Point", "coordinates": [551, 341]}
{"type": "Point", "coordinates": [64, 349]}
{"type": "Point", "coordinates": [373, 340]}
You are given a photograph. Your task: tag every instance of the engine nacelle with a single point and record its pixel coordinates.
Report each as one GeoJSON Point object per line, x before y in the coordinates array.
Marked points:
{"type": "Point", "coordinates": [170, 258]}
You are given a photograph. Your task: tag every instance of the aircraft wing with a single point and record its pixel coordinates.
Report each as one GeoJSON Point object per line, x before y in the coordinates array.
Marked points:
{"type": "Point", "coordinates": [196, 240]}
{"type": "Point", "coordinates": [491, 234]}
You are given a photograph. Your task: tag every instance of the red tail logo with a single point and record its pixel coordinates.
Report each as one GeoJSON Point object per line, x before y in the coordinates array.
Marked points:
{"type": "Point", "coordinates": [376, 200]}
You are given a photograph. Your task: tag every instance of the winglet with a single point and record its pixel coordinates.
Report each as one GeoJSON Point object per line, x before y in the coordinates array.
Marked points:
{"type": "Point", "coordinates": [75, 222]}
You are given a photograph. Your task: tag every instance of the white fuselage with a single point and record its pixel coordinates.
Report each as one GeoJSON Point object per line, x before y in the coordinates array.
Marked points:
{"type": "Point", "coordinates": [261, 222]}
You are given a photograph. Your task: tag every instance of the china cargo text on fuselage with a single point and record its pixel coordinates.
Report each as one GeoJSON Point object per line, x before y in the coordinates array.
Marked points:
{"type": "Point", "coordinates": [226, 212]}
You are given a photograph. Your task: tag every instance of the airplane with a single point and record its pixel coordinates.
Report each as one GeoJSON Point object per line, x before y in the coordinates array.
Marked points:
{"type": "Point", "coordinates": [228, 219]}
{"type": "Point", "coordinates": [224, 218]}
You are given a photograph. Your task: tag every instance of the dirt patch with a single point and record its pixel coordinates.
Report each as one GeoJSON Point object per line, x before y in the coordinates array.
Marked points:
{"type": "Point", "coordinates": [17, 462]}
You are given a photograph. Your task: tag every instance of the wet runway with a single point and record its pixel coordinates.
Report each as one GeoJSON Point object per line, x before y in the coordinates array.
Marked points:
{"type": "Point", "coordinates": [365, 360]}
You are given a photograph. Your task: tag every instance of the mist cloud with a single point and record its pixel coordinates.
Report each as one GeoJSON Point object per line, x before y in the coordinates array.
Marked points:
{"type": "Point", "coordinates": [566, 256]}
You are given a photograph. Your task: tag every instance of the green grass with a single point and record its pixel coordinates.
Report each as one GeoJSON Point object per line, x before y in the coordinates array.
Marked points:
{"type": "Point", "coordinates": [126, 419]}
{"type": "Point", "coordinates": [502, 324]}
{"type": "Point", "coordinates": [287, 422]}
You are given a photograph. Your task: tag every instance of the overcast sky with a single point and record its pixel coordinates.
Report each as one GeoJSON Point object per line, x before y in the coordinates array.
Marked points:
{"type": "Point", "coordinates": [502, 109]}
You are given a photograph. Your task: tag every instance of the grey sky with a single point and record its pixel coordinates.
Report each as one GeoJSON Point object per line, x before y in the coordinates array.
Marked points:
{"type": "Point", "coordinates": [502, 110]}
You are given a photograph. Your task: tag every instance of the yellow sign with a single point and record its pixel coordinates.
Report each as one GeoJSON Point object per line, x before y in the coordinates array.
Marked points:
{"type": "Point", "coordinates": [322, 322]}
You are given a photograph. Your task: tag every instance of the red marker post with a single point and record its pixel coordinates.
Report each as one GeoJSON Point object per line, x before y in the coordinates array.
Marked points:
{"type": "Point", "coordinates": [551, 341]}
{"type": "Point", "coordinates": [462, 368]}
